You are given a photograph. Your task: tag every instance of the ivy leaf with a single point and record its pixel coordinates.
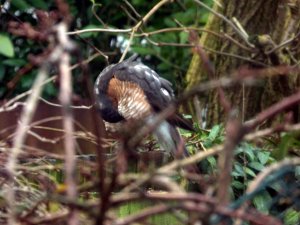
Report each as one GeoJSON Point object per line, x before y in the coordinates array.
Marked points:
{"type": "Point", "coordinates": [214, 132]}
{"type": "Point", "coordinates": [263, 157]}
{"type": "Point", "coordinates": [256, 165]}
{"type": "Point", "coordinates": [238, 185]}
{"type": "Point", "coordinates": [291, 217]}
{"type": "Point", "coordinates": [6, 46]}
{"type": "Point", "coordinates": [249, 172]}
{"type": "Point", "coordinates": [238, 171]}
{"type": "Point", "coordinates": [212, 161]}
{"type": "Point", "coordinates": [262, 202]}
{"type": "Point", "coordinates": [247, 150]}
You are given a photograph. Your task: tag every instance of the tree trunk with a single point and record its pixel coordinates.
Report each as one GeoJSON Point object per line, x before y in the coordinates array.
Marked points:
{"type": "Point", "coordinates": [268, 23]}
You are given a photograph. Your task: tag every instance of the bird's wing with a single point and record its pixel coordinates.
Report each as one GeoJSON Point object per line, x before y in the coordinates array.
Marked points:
{"type": "Point", "coordinates": [157, 90]}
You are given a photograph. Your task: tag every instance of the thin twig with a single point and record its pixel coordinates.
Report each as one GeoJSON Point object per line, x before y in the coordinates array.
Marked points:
{"type": "Point", "coordinates": [19, 139]}
{"type": "Point", "coordinates": [139, 24]}
{"type": "Point", "coordinates": [13, 103]}
{"type": "Point", "coordinates": [262, 176]}
{"type": "Point", "coordinates": [272, 169]}
{"type": "Point", "coordinates": [234, 135]}
{"type": "Point", "coordinates": [284, 44]}
{"type": "Point", "coordinates": [185, 45]}
{"type": "Point", "coordinates": [132, 9]}
{"type": "Point", "coordinates": [167, 169]}
{"type": "Point", "coordinates": [108, 30]}
{"type": "Point", "coordinates": [275, 109]}
{"type": "Point", "coordinates": [272, 130]}
{"type": "Point", "coordinates": [231, 24]}
{"type": "Point", "coordinates": [65, 98]}
{"type": "Point", "coordinates": [72, 106]}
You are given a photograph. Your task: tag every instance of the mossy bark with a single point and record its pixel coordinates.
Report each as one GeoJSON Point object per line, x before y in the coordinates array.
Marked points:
{"type": "Point", "coordinates": [269, 17]}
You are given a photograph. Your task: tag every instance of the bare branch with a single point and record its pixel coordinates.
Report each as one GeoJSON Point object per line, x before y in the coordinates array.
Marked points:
{"type": "Point", "coordinates": [65, 98]}
{"type": "Point", "coordinates": [231, 24]}
{"type": "Point", "coordinates": [19, 139]}
{"type": "Point", "coordinates": [139, 24]}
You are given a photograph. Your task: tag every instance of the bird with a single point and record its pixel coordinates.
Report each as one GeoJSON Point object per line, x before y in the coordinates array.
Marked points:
{"type": "Point", "coordinates": [130, 91]}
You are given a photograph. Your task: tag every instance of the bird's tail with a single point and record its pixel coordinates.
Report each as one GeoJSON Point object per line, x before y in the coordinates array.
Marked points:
{"type": "Point", "coordinates": [170, 139]}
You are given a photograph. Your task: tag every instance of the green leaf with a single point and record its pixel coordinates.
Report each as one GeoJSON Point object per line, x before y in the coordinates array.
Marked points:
{"type": "Point", "coordinates": [247, 150]}
{"type": "Point", "coordinates": [14, 62]}
{"type": "Point", "coordinates": [40, 4]}
{"type": "Point", "coordinates": [214, 132]}
{"type": "Point", "coordinates": [168, 37]}
{"type": "Point", "coordinates": [256, 165]}
{"type": "Point", "coordinates": [164, 66]}
{"type": "Point", "coordinates": [282, 150]}
{"type": "Point", "coordinates": [249, 172]}
{"type": "Point", "coordinates": [6, 46]}
{"type": "Point", "coordinates": [27, 81]}
{"type": "Point", "coordinates": [50, 90]}
{"type": "Point", "coordinates": [235, 174]}
{"type": "Point", "coordinates": [185, 133]}
{"type": "Point", "coordinates": [291, 217]}
{"type": "Point", "coordinates": [207, 143]}
{"type": "Point", "coordinates": [169, 22]}
{"type": "Point", "coordinates": [203, 18]}
{"type": "Point", "coordinates": [2, 90]}
{"type": "Point", "coordinates": [1, 72]}
{"type": "Point", "coordinates": [183, 37]}
{"type": "Point", "coordinates": [238, 185]}
{"type": "Point", "coordinates": [250, 154]}
{"type": "Point", "coordinates": [238, 171]}
{"type": "Point", "coordinates": [262, 202]}
{"type": "Point", "coordinates": [20, 4]}
{"type": "Point", "coordinates": [212, 161]}
{"type": "Point", "coordinates": [263, 157]}
{"type": "Point", "coordinates": [187, 17]}
{"type": "Point", "coordinates": [143, 50]}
